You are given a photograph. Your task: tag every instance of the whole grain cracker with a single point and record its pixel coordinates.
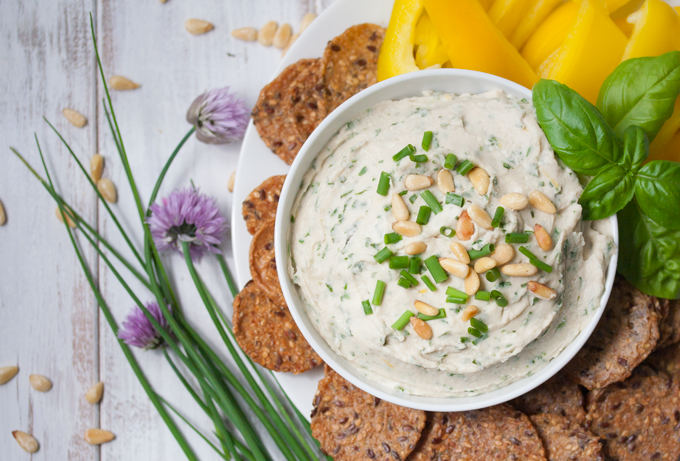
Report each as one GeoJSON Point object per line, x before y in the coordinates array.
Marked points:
{"type": "Point", "coordinates": [558, 396]}
{"type": "Point", "coordinates": [566, 440]}
{"type": "Point", "coordinates": [667, 360]}
{"type": "Point", "coordinates": [260, 205]}
{"type": "Point", "coordinates": [263, 263]}
{"type": "Point", "coordinates": [352, 425]}
{"type": "Point", "coordinates": [625, 336]}
{"type": "Point", "coordinates": [308, 102]}
{"type": "Point", "coordinates": [670, 324]}
{"type": "Point", "coordinates": [268, 334]}
{"type": "Point", "coordinates": [499, 433]}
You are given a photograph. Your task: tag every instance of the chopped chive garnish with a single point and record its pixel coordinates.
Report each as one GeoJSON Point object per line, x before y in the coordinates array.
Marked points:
{"type": "Point", "coordinates": [479, 325]}
{"type": "Point", "coordinates": [432, 201]}
{"type": "Point", "coordinates": [498, 215]}
{"type": "Point", "coordinates": [382, 255]}
{"type": "Point", "coordinates": [441, 315]}
{"type": "Point", "coordinates": [541, 265]}
{"type": "Point", "coordinates": [483, 295]}
{"type": "Point", "coordinates": [447, 231]}
{"type": "Point", "coordinates": [367, 307]}
{"type": "Point", "coordinates": [464, 339]}
{"type": "Point", "coordinates": [450, 291]}
{"type": "Point", "coordinates": [428, 283]}
{"type": "Point", "coordinates": [414, 266]}
{"type": "Point", "coordinates": [392, 237]}
{"type": "Point", "coordinates": [405, 152]}
{"type": "Point", "coordinates": [423, 215]}
{"type": "Point", "coordinates": [527, 253]}
{"type": "Point", "coordinates": [465, 167]}
{"type": "Point", "coordinates": [410, 278]}
{"type": "Point", "coordinates": [383, 184]}
{"type": "Point", "coordinates": [404, 192]}
{"type": "Point", "coordinates": [438, 273]}
{"type": "Point", "coordinates": [455, 199]}
{"type": "Point", "coordinates": [475, 332]}
{"type": "Point", "coordinates": [516, 237]}
{"type": "Point", "coordinates": [450, 161]}
{"type": "Point", "coordinates": [413, 198]}
{"type": "Point", "coordinates": [493, 274]}
{"type": "Point", "coordinates": [398, 262]}
{"type": "Point", "coordinates": [402, 282]}
{"type": "Point", "coordinates": [379, 292]}
{"type": "Point", "coordinates": [456, 300]}
{"type": "Point", "coordinates": [484, 251]}
{"type": "Point", "coordinates": [421, 158]}
{"type": "Point", "coordinates": [427, 140]}
{"type": "Point", "coordinates": [403, 320]}
{"type": "Point", "coordinates": [501, 300]}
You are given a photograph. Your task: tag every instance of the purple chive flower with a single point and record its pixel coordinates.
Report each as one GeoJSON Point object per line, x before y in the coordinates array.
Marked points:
{"type": "Point", "coordinates": [138, 331]}
{"type": "Point", "coordinates": [219, 117]}
{"type": "Point", "coordinates": [187, 216]}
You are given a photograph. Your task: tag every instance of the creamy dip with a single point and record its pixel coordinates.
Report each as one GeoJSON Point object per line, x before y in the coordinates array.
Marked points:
{"type": "Point", "coordinates": [339, 224]}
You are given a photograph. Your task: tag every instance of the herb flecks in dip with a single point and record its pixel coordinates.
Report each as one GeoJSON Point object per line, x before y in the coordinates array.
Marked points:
{"type": "Point", "coordinates": [343, 213]}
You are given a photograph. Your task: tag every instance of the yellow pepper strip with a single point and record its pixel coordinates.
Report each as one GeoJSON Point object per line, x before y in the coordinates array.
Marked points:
{"type": "Point", "coordinates": [613, 5]}
{"type": "Point", "coordinates": [620, 16]}
{"type": "Point", "coordinates": [533, 19]}
{"type": "Point", "coordinates": [430, 50]}
{"type": "Point", "coordinates": [624, 25]}
{"type": "Point", "coordinates": [507, 14]}
{"type": "Point", "coordinates": [656, 31]}
{"type": "Point", "coordinates": [591, 51]}
{"type": "Point", "coordinates": [486, 4]}
{"type": "Point", "coordinates": [668, 134]}
{"type": "Point", "coordinates": [551, 34]}
{"type": "Point", "coordinates": [396, 53]}
{"type": "Point", "coordinates": [473, 42]}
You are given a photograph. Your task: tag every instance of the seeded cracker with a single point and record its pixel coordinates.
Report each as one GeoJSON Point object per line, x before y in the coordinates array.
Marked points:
{"type": "Point", "coordinates": [268, 334]}
{"type": "Point", "coordinates": [557, 396]}
{"type": "Point", "coordinates": [638, 418]}
{"type": "Point", "coordinates": [351, 62]}
{"type": "Point", "coordinates": [625, 336]}
{"type": "Point", "coordinates": [260, 205]}
{"type": "Point", "coordinates": [670, 325]}
{"type": "Point", "coordinates": [667, 360]}
{"type": "Point", "coordinates": [565, 440]}
{"type": "Point", "coordinates": [352, 425]}
{"type": "Point", "coordinates": [493, 433]}
{"type": "Point", "coordinates": [263, 263]}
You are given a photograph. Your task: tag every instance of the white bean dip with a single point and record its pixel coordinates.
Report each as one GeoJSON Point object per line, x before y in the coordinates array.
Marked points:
{"type": "Point", "coordinates": [340, 222]}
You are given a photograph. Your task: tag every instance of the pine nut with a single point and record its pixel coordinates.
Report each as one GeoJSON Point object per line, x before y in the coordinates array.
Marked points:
{"type": "Point", "coordinates": [479, 179]}
{"type": "Point", "coordinates": [415, 248]}
{"type": "Point", "coordinates": [426, 309]}
{"type": "Point", "coordinates": [120, 83]}
{"type": "Point", "coordinates": [26, 441]}
{"type": "Point", "coordinates": [471, 283]}
{"type": "Point", "coordinates": [247, 34]}
{"type": "Point", "coordinates": [519, 270]}
{"type": "Point", "coordinates": [306, 21]}
{"type": "Point", "coordinates": [7, 373]}
{"type": "Point", "coordinates": [265, 36]}
{"type": "Point", "coordinates": [445, 181]}
{"type": "Point", "coordinates": [541, 290]}
{"type": "Point", "coordinates": [417, 182]}
{"type": "Point", "coordinates": [290, 42]}
{"type": "Point", "coordinates": [98, 436]}
{"type": "Point", "coordinates": [469, 312]}
{"type": "Point", "coordinates": [282, 36]}
{"type": "Point", "coordinates": [69, 217]}
{"type": "Point", "coordinates": [399, 208]}
{"type": "Point", "coordinates": [407, 228]}
{"type": "Point", "coordinates": [484, 264]}
{"type": "Point", "coordinates": [465, 229]}
{"type": "Point", "coordinates": [515, 201]}
{"type": "Point", "coordinates": [75, 117]}
{"type": "Point", "coordinates": [455, 268]}
{"type": "Point", "coordinates": [230, 184]}
{"type": "Point", "coordinates": [460, 252]}
{"type": "Point", "coordinates": [198, 26]}
{"type": "Point", "coordinates": [94, 394]}
{"type": "Point", "coordinates": [480, 217]}
{"type": "Point", "coordinates": [543, 238]}
{"type": "Point", "coordinates": [108, 190]}
{"type": "Point", "coordinates": [541, 202]}
{"type": "Point", "coordinates": [96, 167]}
{"type": "Point", "coordinates": [421, 328]}
{"type": "Point", "coordinates": [503, 254]}
{"type": "Point", "coordinates": [3, 215]}
{"type": "Point", "coordinates": [40, 383]}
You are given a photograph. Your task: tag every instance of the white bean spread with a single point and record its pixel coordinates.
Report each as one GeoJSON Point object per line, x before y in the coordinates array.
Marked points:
{"type": "Point", "coordinates": [491, 328]}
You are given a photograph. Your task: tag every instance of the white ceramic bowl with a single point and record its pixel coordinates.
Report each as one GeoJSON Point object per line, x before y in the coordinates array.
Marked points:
{"type": "Point", "coordinates": [449, 80]}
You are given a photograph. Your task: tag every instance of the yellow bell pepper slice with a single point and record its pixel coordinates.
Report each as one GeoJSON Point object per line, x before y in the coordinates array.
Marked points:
{"type": "Point", "coordinates": [656, 30]}
{"type": "Point", "coordinates": [551, 34]}
{"type": "Point", "coordinates": [486, 4]}
{"type": "Point", "coordinates": [507, 14]}
{"type": "Point", "coordinates": [620, 16]}
{"type": "Point", "coordinates": [591, 51]}
{"type": "Point", "coordinates": [535, 16]}
{"type": "Point", "coordinates": [430, 50]}
{"type": "Point", "coordinates": [658, 149]}
{"type": "Point", "coordinates": [396, 53]}
{"type": "Point", "coordinates": [614, 5]}
{"type": "Point", "coordinates": [473, 42]}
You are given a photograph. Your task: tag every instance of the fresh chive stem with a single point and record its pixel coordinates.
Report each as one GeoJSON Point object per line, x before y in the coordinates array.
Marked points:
{"type": "Point", "coordinates": [405, 152]}
{"type": "Point", "coordinates": [436, 270]}
{"type": "Point", "coordinates": [479, 325]}
{"type": "Point", "coordinates": [432, 201]}
{"type": "Point", "coordinates": [454, 199]}
{"type": "Point", "coordinates": [382, 255]}
{"type": "Point", "coordinates": [446, 231]}
{"type": "Point", "coordinates": [398, 262]}
{"type": "Point", "coordinates": [527, 253]}
{"type": "Point", "coordinates": [501, 300]}
{"type": "Point", "coordinates": [441, 315]}
{"type": "Point", "coordinates": [450, 162]}
{"type": "Point", "coordinates": [498, 215]}
{"type": "Point", "coordinates": [427, 140]}
{"type": "Point", "coordinates": [392, 237]}
{"type": "Point", "coordinates": [450, 291]}
{"type": "Point", "coordinates": [423, 215]}
{"type": "Point", "coordinates": [383, 184]}
{"type": "Point", "coordinates": [483, 295]}
{"type": "Point", "coordinates": [368, 310]}
{"type": "Point", "coordinates": [456, 300]}
{"type": "Point", "coordinates": [411, 279]}
{"type": "Point", "coordinates": [402, 320]}
{"type": "Point", "coordinates": [541, 265]}
{"type": "Point", "coordinates": [414, 265]}
{"type": "Point", "coordinates": [493, 274]}
{"type": "Point", "coordinates": [379, 292]}
{"type": "Point", "coordinates": [465, 167]}
{"type": "Point", "coordinates": [484, 251]}
{"type": "Point", "coordinates": [421, 158]}
{"type": "Point", "coordinates": [402, 282]}
{"type": "Point", "coordinates": [428, 283]}
{"type": "Point", "coordinates": [474, 332]}
{"type": "Point", "coordinates": [516, 237]}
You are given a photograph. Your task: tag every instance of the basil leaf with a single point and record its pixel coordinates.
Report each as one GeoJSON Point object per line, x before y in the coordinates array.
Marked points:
{"type": "Point", "coordinates": [657, 190]}
{"type": "Point", "coordinates": [641, 91]}
{"type": "Point", "coordinates": [607, 193]}
{"type": "Point", "coordinates": [575, 129]}
{"type": "Point", "coordinates": [635, 148]}
{"type": "Point", "coordinates": [649, 254]}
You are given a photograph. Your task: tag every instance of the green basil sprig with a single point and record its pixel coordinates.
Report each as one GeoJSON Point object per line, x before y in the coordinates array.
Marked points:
{"type": "Point", "coordinates": [657, 190]}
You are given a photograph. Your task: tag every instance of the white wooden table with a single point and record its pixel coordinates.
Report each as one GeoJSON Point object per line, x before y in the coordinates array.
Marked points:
{"type": "Point", "coordinates": [49, 321]}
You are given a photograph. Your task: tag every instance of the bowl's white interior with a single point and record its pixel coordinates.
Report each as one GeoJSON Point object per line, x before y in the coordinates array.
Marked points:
{"type": "Point", "coordinates": [448, 80]}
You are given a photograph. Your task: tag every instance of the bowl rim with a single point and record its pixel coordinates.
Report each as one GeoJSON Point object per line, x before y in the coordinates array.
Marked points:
{"type": "Point", "coordinates": [282, 225]}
